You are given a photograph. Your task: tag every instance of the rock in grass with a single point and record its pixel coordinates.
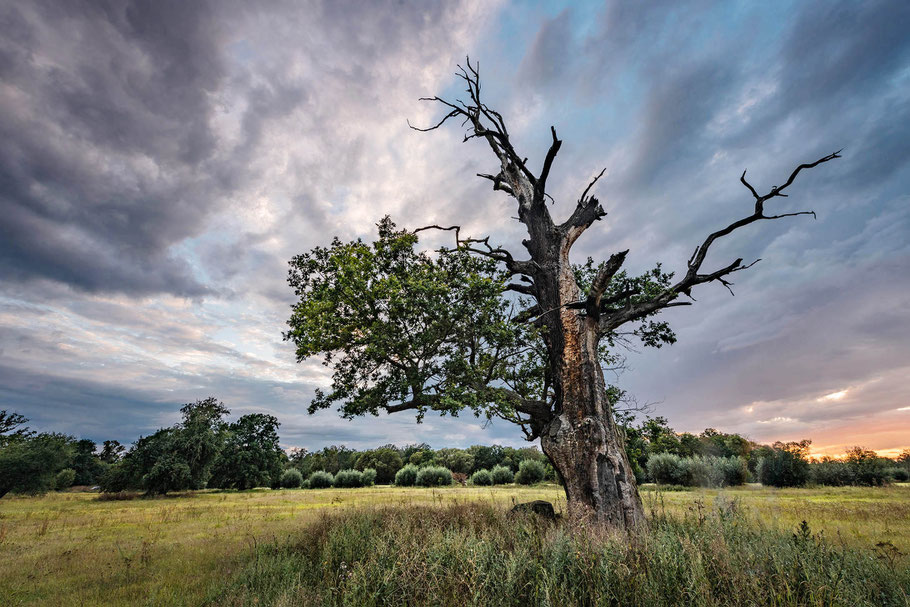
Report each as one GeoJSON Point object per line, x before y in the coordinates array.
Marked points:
{"type": "Point", "coordinates": [539, 507]}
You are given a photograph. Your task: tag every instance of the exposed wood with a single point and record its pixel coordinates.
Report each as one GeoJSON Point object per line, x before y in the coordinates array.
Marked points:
{"type": "Point", "coordinates": [576, 425]}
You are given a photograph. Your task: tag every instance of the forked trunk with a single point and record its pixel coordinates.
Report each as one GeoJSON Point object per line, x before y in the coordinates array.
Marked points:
{"type": "Point", "coordinates": [582, 440]}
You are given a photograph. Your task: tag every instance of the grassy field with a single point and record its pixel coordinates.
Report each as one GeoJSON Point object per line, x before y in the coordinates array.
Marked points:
{"type": "Point", "coordinates": [74, 549]}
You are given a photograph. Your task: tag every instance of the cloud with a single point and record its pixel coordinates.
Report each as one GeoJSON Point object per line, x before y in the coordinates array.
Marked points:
{"type": "Point", "coordinates": [162, 161]}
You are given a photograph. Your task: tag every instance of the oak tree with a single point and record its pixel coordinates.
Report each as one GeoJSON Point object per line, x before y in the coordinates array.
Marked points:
{"type": "Point", "coordinates": [405, 330]}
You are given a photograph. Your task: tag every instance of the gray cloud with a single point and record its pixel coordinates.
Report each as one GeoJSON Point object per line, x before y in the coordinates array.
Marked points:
{"type": "Point", "coordinates": [162, 161]}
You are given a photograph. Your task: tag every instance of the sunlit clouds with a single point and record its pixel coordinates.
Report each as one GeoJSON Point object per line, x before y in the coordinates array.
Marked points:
{"type": "Point", "coordinates": [162, 162]}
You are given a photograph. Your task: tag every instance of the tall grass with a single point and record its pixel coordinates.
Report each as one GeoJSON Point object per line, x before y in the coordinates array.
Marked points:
{"type": "Point", "coordinates": [479, 554]}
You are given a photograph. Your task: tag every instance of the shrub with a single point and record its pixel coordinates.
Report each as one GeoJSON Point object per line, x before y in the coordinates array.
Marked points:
{"type": "Point", "coordinates": [785, 466]}
{"type": "Point", "coordinates": [668, 469]}
{"type": "Point", "coordinates": [867, 468]}
{"type": "Point", "coordinates": [64, 479]}
{"type": "Point", "coordinates": [385, 461]}
{"type": "Point", "coordinates": [348, 479]}
{"type": "Point", "coordinates": [482, 478]}
{"type": "Point", "coordinates": [459, 478]}
{"type": "Point", "coordinates": [530, 471]}
{"type": "Point", "coordinates": [899, 474]}
{"type": "Point", "coordinates": [830, 472]}
{"type": "Point", "coordinates": [697, 471]}
{"type": "Point", "coordinates": [369, 477]}
{"type": "Point", "coordinates": [407, 476]}
{"type": "Point", "coordinates": [170, 473]}
{"type": "Point", "coordinates": [291, 478]}
{"type": "Point", "coordinates": [321, 480]}
{"type": "Point", "coordinates": [502, 475]}
{"type": "Point", "coordinates": [456, 460]}
{"type": "Point", "coordinates": [434, 476]}
{"type": "Point", "coordinates": [305, 484]}
{"type": "Point", "coordinates": [735, 470]}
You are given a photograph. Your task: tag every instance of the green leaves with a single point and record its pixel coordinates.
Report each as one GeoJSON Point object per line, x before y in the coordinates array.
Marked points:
{"type": "Point", "coordinates": [402, 329]}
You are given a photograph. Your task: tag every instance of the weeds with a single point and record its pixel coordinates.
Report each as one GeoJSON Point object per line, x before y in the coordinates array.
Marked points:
{"type": "Point", "coordinates": [474, 554]}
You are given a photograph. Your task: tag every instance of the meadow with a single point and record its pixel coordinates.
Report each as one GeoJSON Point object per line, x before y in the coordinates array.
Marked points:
{"type": "Point", "coordinates": [301, 547]}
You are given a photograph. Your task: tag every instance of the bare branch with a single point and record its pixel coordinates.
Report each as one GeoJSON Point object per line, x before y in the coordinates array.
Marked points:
{"type": "Point", "coordinates": [436, 227]}
{"type": "Point", "coordinates": [611, 319]}
{"type": "Point", "coordinates": [548, 163]}
{"type": "Point", "coordinates": [604, 275]}
{"type": "Point", "coordinates": [748, 185]}
{"type": "Point", "coordinates": [587, 211]}
{"type": "Point", "coordinates": [514, 177]}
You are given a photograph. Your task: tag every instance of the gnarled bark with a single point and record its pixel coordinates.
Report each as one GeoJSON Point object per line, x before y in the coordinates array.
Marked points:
{"type": "Point", "coordinates": [576, 425]}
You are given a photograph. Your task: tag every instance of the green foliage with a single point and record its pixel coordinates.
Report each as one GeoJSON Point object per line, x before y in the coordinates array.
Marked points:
{"type": "Point", "coordinates": [329, 459]}
{"type": "Point", "coordinates": [697, 471]}
{"type": "Point", "coordinates": [250, 456]}
{"type": "Point", "coordinates": [12, 427]}
{"type": "Point", "coordinates": [348, 479]}
{"type": "Point", "coordinates": [530, 471]}
{"type": "Point", "coordinates": [644, 287]}
{"type": "Point", "coordinates": [482, 478]}
{"type": "Point", "coordinates": [369, 477]}
{"type": "Point", "coordinates": [111, 452]}
{"type": "Point", "coordinates": [407, 476]}
{"type": "Point", "coordinates": [668, 469]}
{"type": "Point", "coordinates": [485, 457]}
{"type": "Point", "coordinates": [358, 305]}
{"type": "Point", "coordinates": [786, 465]}
{"type": "Point", "coordinates": [200, 438]}
{"type": "Point", "coordinates": [321, 480]}
{"type": "Point", "coordinates": [291, 478]}
{"type": "Point", "coordinates": [867, 468]}
{"type": "Point", "coordinates": [386, 462]}
{"type": "Point", "coordinates": [502, 475]}
{"type": "Point", "coordinates": [169, 473]}
{"type": "Point", "coordinates": [456, 460]}
{"type": "Point", "coordinates": [476, 554]}
{"type": "Point", "coordinates": [434, 476]}
{"type": "Point", "coordinates": [29, 462]}
{"type": "Point", "coordinates": [64, 479]}
{"type": "Point", "coordinates": [87, 466]}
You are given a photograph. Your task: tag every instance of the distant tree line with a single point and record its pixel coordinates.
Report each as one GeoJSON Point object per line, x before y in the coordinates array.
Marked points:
{"type": "Point", "coordinates": [204, 450]}
{"type": "Point", "coordinates": [659, 454]}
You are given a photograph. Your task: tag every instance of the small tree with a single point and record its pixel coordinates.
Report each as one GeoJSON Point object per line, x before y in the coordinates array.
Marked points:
{"type": "Point", "coordinates": [866, 467]}
{"type": "Point", "coordinates": [291, 478]}
{"type": "Point", "coordinates": [169, 473]}
{"type": "Point", "coordinates": [251, 456]}
{"type": "Point", "coordinates": [482, 478]}
{"type": "Point", "coordinates": [385, 461]}
{"type": "Point", "coordinates": [29, 462]}
{"type": "Point", "coordinates": [200, 438]}
{"type": "Point", "coordinates": [786, 466]}
{"type": "Point", "coordinates": [321, 480]}
{"type": "Point", "coordinates": [64, 479]}
{"type": "Point", "coordinates": [502, 475]}
{"type": "Point", "coordinates": [111, 452]}
{"type": "Point", "coordinates": [407, 476]}
{"type": "Point", "coordinates": [529, 472]}
{"type": "Point", "coordinates": [434, 476]}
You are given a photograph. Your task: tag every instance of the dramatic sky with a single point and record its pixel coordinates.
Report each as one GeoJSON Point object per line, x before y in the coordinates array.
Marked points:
{"type": "Point", "coordinates": [161, 161]}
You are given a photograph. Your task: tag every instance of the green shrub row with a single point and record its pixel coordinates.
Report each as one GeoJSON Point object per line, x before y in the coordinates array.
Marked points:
{"type": "Point", "coordinates": [697, 471]}
{"type": "Point", "coordinates": [345, 479]}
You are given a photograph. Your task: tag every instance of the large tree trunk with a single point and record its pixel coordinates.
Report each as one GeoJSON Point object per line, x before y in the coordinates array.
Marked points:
{"type": "Point", "coordinates": [582, 440]}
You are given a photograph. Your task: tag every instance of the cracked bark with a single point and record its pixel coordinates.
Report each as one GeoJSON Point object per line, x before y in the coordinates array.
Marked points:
{"type": "Point", "coordinates": [576, 425]}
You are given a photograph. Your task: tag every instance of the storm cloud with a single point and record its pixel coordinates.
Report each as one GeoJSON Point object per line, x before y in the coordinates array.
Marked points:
{"type": "Point", "coordinates": [161, 161]}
